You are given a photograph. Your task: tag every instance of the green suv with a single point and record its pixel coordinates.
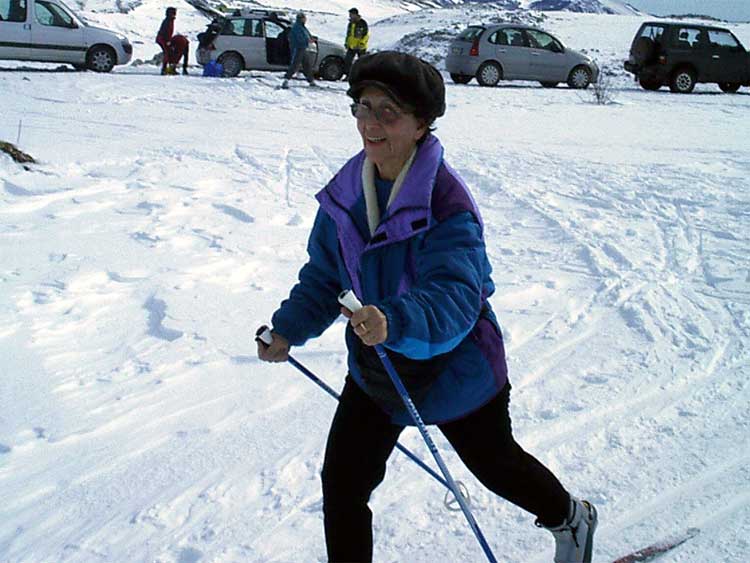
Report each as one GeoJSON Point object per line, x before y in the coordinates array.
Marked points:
{"type": "Point", "coordinates": [680, 55]}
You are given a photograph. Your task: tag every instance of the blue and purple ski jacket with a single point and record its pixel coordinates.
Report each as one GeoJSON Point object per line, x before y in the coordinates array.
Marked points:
{"type": "Point", "coordinates": [426, 269]}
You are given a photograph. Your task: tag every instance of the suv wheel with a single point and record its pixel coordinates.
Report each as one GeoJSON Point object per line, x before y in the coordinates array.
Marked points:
{"type": "Point", "coordinates": [580, 78]}
{"type": "Point", "coordinates": [683, 81]}
{"type": "Point", "coordinates": [101, 59]}
{"type": "Point", "coordinates": [729, 87]}
{"type": "Point", "coordinates": [489, 74]}
{"type": "Point", "coordinates": [647, 84]}
{"type": "Point", "coordinates": [232, 64]}
{"type": "Point", "coordinates": [332, 68]}
{"type": "Point", "coordinates": [461, 78]}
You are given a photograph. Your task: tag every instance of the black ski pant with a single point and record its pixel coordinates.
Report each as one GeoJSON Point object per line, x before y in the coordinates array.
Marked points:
{"type": "Point", "coordinates": [362, 437]}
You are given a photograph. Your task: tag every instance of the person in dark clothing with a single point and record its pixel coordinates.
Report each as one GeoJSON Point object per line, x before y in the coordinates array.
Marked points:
{"type": "Point", "coordinates": [299, 39]}
{"type": "Point", "coordinates": [357, 37]}
{"type": "Point", "coordinates": [398, 226]}
{"type": "Point", "coordinates": [164, 37]}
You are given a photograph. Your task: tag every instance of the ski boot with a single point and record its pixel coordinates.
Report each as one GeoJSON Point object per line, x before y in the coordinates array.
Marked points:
{"type": "Point", "coordinates": [574, 538]}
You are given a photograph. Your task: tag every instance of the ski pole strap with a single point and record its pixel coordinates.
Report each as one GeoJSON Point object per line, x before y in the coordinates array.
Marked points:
{"type": "Point", "coordinates": [350, 301]}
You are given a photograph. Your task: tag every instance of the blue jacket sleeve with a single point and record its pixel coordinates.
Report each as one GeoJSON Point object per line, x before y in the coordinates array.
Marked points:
{"type": "Point", "coordinates": [443, 305]}
{"type": "Point", "coordinates": [312, 304]}
{"type": "Point", "coordinates": [298, 37]}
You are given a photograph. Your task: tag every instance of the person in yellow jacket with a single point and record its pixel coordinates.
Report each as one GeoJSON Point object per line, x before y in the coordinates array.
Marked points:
{"type": "Point", "coordinates": [357, 36]}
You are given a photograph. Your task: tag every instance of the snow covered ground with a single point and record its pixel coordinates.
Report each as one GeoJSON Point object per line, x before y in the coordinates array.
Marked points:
{"type": "Point", "coordinates": [168, 218]}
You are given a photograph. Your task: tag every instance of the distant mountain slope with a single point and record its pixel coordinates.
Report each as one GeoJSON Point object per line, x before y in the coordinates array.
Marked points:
{"type": "Point", "coordinates": [584, 6]}
{"type": "Point", "coordinates": [380, 7]}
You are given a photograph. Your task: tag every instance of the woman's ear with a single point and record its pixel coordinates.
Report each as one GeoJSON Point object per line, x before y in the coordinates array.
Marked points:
{"type": "Point", "coordinates": [422, 129]}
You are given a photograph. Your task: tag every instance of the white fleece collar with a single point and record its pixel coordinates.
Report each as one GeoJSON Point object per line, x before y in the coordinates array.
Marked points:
{"type": "Point", "coordinates": [371, 197]}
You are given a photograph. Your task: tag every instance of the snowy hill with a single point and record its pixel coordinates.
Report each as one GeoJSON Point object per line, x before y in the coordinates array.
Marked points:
{"type": "Point", "coordinates": [583, 6]}
{"type": "Point", "coordinates": [168, 217]}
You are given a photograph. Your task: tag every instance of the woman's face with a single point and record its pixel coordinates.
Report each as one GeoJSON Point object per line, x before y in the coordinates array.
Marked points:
{"type": "Point", "coordinates": [387, 144]}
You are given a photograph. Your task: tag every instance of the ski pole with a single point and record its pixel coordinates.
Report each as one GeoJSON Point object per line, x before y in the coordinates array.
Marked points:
{"type": "Point", "coordinates": [350, 301]}
{"type": "Point", "coordinates": [263, 335]}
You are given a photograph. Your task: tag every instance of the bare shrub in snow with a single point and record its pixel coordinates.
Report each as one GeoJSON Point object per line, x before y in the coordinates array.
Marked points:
{"type": "Point", "coordinates": [602, 93]}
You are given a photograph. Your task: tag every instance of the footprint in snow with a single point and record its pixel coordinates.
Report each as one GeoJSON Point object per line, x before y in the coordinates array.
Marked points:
{"type": "Point", "coordinates": [145, 238]}
{"type": "Point", "coordinates": [189, 555]}
{"type": "Point", "coordinates": [157, 312]}
{"type": "Point", "coordinates": [595, 379]}
{"type": "Point", "coordinates": [234, 212]}
{"type": "Point", "coordinates": [16, 190]}
{"type": "Point", "coordinates": [143, 208]}
{"type": "Point", "coordinates": [115, 277]}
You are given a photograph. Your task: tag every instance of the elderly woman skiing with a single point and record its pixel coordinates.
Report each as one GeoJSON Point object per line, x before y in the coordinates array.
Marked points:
{"type": "Point", "coordinates": [398, 226]}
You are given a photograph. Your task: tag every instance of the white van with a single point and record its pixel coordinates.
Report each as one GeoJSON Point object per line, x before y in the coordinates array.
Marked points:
{"type": "Point", "coordinates": [49, 31]}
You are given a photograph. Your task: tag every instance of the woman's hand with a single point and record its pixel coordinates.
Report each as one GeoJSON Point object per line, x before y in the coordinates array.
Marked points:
{"type": "Point", "coordinates": [277, 351]}
{"type": "Point", "coordinates": [369, 324]}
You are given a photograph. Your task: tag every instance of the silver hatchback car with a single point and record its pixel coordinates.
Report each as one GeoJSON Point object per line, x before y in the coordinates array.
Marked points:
{"type": "Point", "coordinates": [492, 53]}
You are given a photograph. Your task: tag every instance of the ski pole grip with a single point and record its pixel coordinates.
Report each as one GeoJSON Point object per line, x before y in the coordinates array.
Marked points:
{"type": "Point", "coordinates": [349, 300]}
{"type": "Point", "coordinates": [263, 334]}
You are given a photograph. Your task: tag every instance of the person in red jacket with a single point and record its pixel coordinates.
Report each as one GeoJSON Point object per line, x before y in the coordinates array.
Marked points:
{"type": "Point", "coordinates": [179, 48]}
{"type": "Point", "coordinates": [164, 37]}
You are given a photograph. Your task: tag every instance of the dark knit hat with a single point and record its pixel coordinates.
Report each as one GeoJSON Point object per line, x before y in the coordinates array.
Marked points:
{"type": "Point", "coordinates": [171, 11]}
{"type": "Point", "coordinates": [407, 79]}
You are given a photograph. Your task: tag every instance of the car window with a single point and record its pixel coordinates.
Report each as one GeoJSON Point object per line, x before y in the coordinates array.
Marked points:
{"type": "Point", "coordinates": [688, 37]}
{"type": "Point", "coordinates": [515, 37]}
{"type": "Point", "coordinates": [13, 10]}
{"type": "Point", "coordinates": [254, 28]}
{"type": "Point", "coordinates": [470, 33]}
{"type": "Point", "coordinates": [233, 27]}
{"type": "Point", "coordinates": [722, 39]}
{"type": "Point", "coordinates": [540, 40]}
{"type": "Point", "coordinates": [50, 14]}
{"type": "Point", "coordinates": [499, 37]}
{"type": "Point", "coordinates": [273, 29]}
{"type": "Point", "coordinates": [652, 32]}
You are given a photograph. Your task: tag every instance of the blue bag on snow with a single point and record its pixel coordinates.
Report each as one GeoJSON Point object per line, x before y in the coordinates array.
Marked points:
{"type": "Point", "coordinates": [213, 68]}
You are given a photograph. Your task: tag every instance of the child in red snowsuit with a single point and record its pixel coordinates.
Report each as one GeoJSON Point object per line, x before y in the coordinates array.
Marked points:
{"type": "Point", "coordinates": [179, 48]}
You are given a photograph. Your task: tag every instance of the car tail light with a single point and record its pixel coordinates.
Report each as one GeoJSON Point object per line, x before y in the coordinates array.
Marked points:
{"type": "Point", "coordinates": [474, 51]}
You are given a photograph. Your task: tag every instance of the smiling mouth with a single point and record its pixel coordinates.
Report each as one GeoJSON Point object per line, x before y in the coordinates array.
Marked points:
{"type": "Point", "coordinates": [375, 139]}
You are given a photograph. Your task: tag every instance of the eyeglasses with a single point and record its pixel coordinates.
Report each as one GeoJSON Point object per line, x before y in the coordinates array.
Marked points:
{"type": "Point", "coordinates": [385, 114]}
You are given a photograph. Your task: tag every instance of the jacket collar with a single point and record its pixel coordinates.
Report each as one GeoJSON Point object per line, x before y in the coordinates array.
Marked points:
{"type": "Point", "coordinates": [415, 193]}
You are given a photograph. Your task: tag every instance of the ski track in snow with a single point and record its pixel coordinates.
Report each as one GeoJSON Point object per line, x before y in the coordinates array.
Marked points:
{"type": "Point", "coordinates": [136, 423]}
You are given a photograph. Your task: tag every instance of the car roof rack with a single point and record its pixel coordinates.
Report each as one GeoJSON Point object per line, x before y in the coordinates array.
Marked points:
{"type": "Point", "coordinates": [247, 12]}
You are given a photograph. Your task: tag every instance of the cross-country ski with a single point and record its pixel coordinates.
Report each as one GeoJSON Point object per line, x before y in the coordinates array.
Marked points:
{"type": "Point", "coordinates": [659, 548]}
